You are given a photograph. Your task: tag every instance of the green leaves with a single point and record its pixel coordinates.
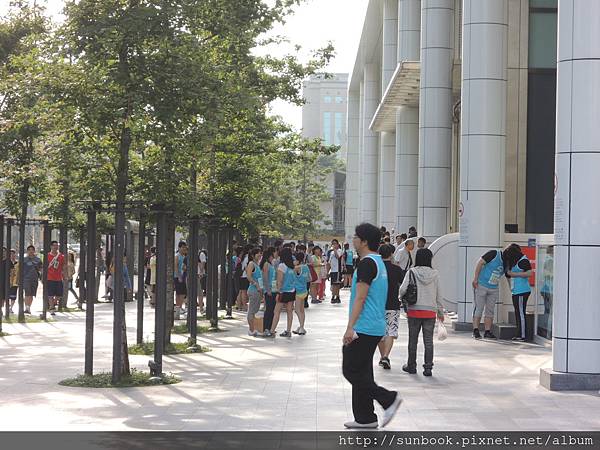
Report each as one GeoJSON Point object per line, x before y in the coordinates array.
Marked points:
{"type": "Point", "coordinates": [130, 97]}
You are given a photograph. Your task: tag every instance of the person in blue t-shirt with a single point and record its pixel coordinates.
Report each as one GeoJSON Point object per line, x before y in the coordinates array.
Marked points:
{"type": "Point", "coordinates": [486, 279]}
{"type": "Point", "coordinates": [302, 281]}
{"type": "Point", "coordinates": [519, 273]}
{"type": "Point", "coordinates": [348, 260]}
{"type": "Point", "coordinates": [366, 327]}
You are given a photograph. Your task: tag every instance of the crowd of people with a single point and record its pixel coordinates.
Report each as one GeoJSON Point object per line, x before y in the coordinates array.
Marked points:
{"type": "Point", "coordinates": [388, 279]}
{"type": "Point", "coordinates": [61, 272]}
{"type": "Point", "coordinates": [384, 278]}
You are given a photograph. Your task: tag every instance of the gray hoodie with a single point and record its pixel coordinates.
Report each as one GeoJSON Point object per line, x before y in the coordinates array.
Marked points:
{"type": "Point", "coordinates": [429, 297]}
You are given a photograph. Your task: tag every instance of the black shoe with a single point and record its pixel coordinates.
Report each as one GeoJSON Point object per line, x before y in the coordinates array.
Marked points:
{"type": "Point", "coordinates": [27, 311]}
{"type": "Point", "coordinates": [488, 335]}
{"type": "Point", "coordinates": [411, 370]}
{"type": "Point", "coordinates": [476, 333]}
{"type": "Point", "coordinates": [518, 338]}
{"type": "Point", "coordinates": [427, 372]}
{"type": "Point", "coordinates": [385, 363]}
{"type": "Point", "coordinates": [306, 304]}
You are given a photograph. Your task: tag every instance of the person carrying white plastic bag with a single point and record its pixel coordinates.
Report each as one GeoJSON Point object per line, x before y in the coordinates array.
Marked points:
{"type": "Point", "coordinates": [422, 309]}
{"type": "Point", "coordinates": [442, 333]}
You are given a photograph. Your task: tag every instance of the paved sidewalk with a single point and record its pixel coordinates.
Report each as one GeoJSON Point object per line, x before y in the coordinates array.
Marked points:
{"type": "Point", "coordinates": [249, 383]}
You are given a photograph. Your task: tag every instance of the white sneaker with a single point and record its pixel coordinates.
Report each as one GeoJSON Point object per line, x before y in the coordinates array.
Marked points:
{"type": "Point", "coordinates": [390, 412]}
{"type": "Point", "coordinates": [355, 424]}
{"type": "Point", "coordinates": [253, 333]}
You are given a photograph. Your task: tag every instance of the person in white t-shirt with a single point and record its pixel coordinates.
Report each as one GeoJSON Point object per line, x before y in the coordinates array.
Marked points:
{"type": "Point", "coordinates": [202, 259]}
{"type": "Point", "coordinates": [334, 264]}
{"type": "Point", "coordinates": [243, 294]}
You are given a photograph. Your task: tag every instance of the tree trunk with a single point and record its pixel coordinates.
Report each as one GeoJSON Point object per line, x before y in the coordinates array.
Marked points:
{"type": "Point", "coordinates": [22, 219]}
{"type": "Point", "coordinates": [120, 353]}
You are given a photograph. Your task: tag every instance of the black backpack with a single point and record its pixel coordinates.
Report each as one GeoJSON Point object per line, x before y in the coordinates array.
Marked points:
{"type": "Point", "coordinates": [410, 296]}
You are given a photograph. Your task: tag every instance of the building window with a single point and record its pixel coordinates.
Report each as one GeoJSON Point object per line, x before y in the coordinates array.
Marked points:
{"type": "Point", "coordinates": [542, 39]}
{"type": "Point", "coordinates": [541, 117]}
{"type": "Point", "coordinates": [339, 131]}
{"type": "Point", "coordinates": [543, 4]}
{"type": "Point", "coordinates": [327, 99]}
{"type": "Point", "coordinates": [327, 128]}
{"type": "Point", "coordinates": [339, 100]}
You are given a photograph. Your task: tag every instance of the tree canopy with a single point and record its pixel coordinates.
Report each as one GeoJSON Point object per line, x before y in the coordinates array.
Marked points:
{"type": "Point", "coordinates": [157, 101]}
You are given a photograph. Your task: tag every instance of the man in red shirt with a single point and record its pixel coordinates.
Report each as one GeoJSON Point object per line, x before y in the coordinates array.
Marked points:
{"type": "Point", "coordinates": [57, 274]}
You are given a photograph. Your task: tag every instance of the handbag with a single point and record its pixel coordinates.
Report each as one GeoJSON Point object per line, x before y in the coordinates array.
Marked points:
{"type": "Point", "coordinates": [410, 296]}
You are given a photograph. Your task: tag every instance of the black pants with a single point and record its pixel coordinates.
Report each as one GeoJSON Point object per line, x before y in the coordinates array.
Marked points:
{"type": "Point", "coordinates": [520, 305]}
{"type": "Point", "coordinates": [414, 328]}
{"type": "Point", "coordinates": [269, 311]}
{"type": "Point", "coordinates": [357, 367]}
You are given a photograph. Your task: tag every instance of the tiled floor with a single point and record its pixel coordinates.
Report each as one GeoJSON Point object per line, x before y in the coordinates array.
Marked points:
{"type": "Point", "coordinates": [282, 384]}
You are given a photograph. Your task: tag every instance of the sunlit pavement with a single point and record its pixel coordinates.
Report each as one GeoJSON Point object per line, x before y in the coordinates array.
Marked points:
{"type": "Point", "coordinates": [248, 383]}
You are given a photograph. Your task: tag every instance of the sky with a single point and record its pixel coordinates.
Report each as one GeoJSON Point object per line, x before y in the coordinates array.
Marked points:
{"type": "Point", "coordinates": [314, 23]}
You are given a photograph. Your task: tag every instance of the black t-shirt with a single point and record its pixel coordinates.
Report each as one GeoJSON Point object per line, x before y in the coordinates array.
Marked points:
{"type": "Point", "coordinates": [489, 256]}
{"type": "Point", "coordinates": [366, 271]}
{"type": "Point", "coordinates": [395, 275]}
{"type": "Point", "coordinates": [524, 265]}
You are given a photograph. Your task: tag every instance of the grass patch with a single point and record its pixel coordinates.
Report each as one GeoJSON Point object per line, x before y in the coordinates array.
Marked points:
{"type": "Point", "coordinates": [14, 318]}
{"type": "Point", "coordinates": [2, 334]}
{"type": "Point", "coordinates": [202, 329]}
{"type": "Point", "coordinates": [177, 348]}
{"type": "Point", "coordinates": [71, 309]}
{"type": "Point", "coordinates": [104, 380]}
{"type": "Point", "coordinates": [204, 317]}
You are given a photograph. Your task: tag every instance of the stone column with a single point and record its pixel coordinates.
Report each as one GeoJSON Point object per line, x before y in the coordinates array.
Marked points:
{"type": "Point", "coordinates": [390, 42]}
{"type": "Point", "coordinates": [576, 334]}
{"type": "Point", "coordinates": [352, 163]}
{"type": "Point", "coordinates": [369, 157]}
{"type": "Point", "coordinates": [407, 121]}
{"type": "Point", "coordinates": [361, 148]}
{"type": "Point", "coordinates": [435, 118]}
{"type": "Point", "coordinates": [387, 156]}
{"type": "Point", "coordinates": [387, 142]}
{"type": "Point", "coordinates": [483, 139]}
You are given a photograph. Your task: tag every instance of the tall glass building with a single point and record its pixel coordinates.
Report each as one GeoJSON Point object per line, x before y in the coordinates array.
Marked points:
{"type": "Point", "coordinates": [477, 122]}
{"type": "Point", "coordinates": [324, 117]}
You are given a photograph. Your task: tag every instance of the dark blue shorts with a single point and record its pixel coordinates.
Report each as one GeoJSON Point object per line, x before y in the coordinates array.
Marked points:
{"type": "Point", "coordinates": [55, 288]}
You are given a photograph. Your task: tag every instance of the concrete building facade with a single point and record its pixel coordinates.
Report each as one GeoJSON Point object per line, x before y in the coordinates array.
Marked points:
{"type": "Point", "coordinates": [492, 105]}
{"type": "Point", "coordinates": [324, 116]}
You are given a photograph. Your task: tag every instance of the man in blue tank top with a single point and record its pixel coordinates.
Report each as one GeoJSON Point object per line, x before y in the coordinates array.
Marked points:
{"type": "Point", "coordinates": [366, 327]}
{"type": "Point", "coordinates": [486, 282]}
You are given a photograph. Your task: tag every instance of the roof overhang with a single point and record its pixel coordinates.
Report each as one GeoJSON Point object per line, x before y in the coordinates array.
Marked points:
{"type": "Point", "coordinates": [403, 90]}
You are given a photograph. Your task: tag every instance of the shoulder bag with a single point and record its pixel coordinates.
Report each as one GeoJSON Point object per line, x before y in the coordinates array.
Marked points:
{"type": "Point", "coordinates": [410, 296]}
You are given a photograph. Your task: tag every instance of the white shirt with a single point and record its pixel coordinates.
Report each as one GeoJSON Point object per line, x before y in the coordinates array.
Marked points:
{"type": "Point", "coordinates": [244, 265]}
{"type": "Point", "coordinates": [202, 264]}
{"type": "Point", "coordinates": [334, 261]}
{"type": "Point", "coordinates": [402, 258]}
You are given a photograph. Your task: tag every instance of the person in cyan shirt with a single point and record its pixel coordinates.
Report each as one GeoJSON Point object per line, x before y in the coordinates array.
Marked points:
{"type": "Point", "coordinates": [519, 273]}
{"type": "Point", "coordinates": [486, 279]}
{"type": "Point", "coordinates": [366, 327]}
